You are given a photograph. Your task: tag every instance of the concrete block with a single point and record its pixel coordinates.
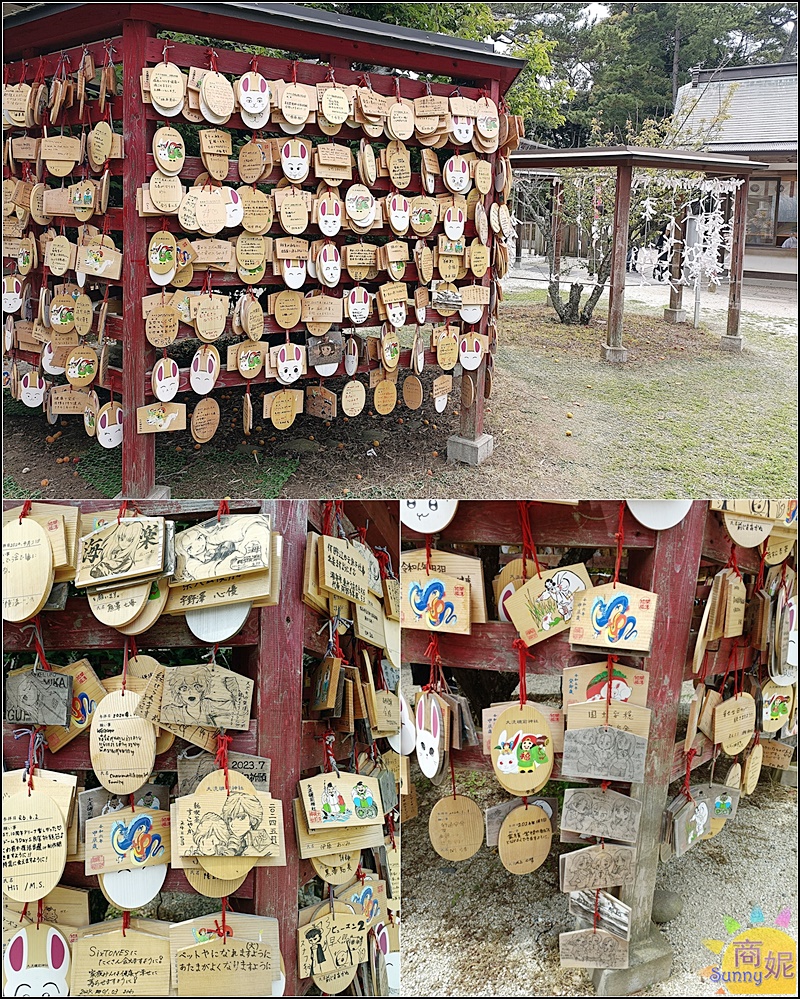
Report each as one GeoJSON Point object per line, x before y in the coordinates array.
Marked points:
{"type": "Point", "coordinates": [650, 962]}
{"type": "Point", "coordinates": [615, 355]}
{"type": "Point", "coordinates": [674, 315]}
{"type": "Point", "coordinates": [732, 343]}
{"type": "Point", "coordinates": [789, 776]}
{"type": "Point", "coordinates": [470, 452]}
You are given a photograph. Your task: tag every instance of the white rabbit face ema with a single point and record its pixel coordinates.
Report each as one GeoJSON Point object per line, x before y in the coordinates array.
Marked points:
{"type": "Point", "coordinates": [253, 93]}
{"type": "Point", "coordinates": [358, 305]}
{"type": "Point", "coordinates": [351, 356]}
{"type": "Point", "coordinates": [329, 262]}
{"type": "Point", "coordinates": [329, 215]}
{"type": "Point", "coordinates": [399, 212]}
{"type": "Point", "coordinates": [294, 273]}
{"type": "Point", "coordinates": [204, 371]}
{"type": "Point", "coordinates": [47, 980]}
{"type": "Point", "coordinates": [109, 425]}
{"type": "Point", "coordinates": [166, 378]}
{"type": "Point", "coordinates": [405, 740]}
{"type": "Point", "coordinates": [462, 128]}
{"type": "Point", "coordinates": [391, 958]}
{"type": "Point", "coordinates": [396, 314]}
{"type": "Point", "coordinates": [295, 160]}
{"type": "Point", "coordinates": [234, 209]}
{"type": "Point", "coordinates": [427, 516]}
{"type": "Point", "coordinates": [12, 293]}
{"type": "Point", "coordinates": [32, 389]}
{"type": "Point", "coordinates": [454, 222]}
{"type": "Point", "coordinates": [428, 751]}
{"type": "Point", "coordinates": [470, 352]}
{"type": "Point", "coordinates": [507, 757]}
{"type": "Point", "coordinates": [290, 363]}
{"type": "Point", "coordinates": [48, 361]}
{"type": "Point", "coordinates": [457, 173]}
{"type": "Point", "coordinates": [471, 314]}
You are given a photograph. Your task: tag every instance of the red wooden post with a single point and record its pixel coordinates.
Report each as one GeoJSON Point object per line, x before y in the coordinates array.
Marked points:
{"type": "Point", "coordinates": [670, 569]}
{"type": "Point", "coordinates": [675, 313]}
{"type": "Point", "coordinates": [138, 451]}
{"type": "Point", "coordinates": [279, 726]}
{"type": "Point", "coordinates": [613, 350]}
{"type": "Point", "coordinates": [732, 339]}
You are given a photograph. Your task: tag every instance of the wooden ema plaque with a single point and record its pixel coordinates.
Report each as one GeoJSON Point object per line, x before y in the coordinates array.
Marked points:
{"type": "Point", "coordinates": [604, 753]}
{"type": "Point", "coordinates": [207, 695]}
{"type": "Point", "coordinates": [323, 842]}
{"type": "Point", "coordinates": [628, 717]}
{"type": "Point", "coordinates": [128, 839]}
{"type": "Point", "coordinates": [590, 683]}
{"type": "Point", "coordinates": [543, 607]}
{"type": "Point", "coordinates": [435, 602]}
{"type": "Point", "coordinates": [455, 827]}
{"type": "Point", "coordinates": [522, 750]}
{"type": "Point", "coordinates": [342, 569]}
{"type": "Point", "coordinates": [469, 570]}
{"type": "Point", "coordinates": [330, 948]}
{"type": "Point", "coordinates": [121, 744]}
{"type": "Point", "coordinates": [27, 569]}
{"type": "Point", "coordinates": [337, 868]}
{"type": "Point", "coordinates": [123, 550]}
{"type": "Point", "coordinates": [209, 968]}
{"type": "Point", "coordinates": [592, 949]}
{"type": "Point", "coordinates": [734, 723]}
{"type": "Point", "coordinates": [609, 913]}
{"type": "Point", "coordinates": [524, 840]}
{"type": "Point", "coordinates": [337, 800]}
{"type": "Point", "coordinates": [149, 707]}
{"type": "Point", "coordinates": [234, 544]}
{"type": "Point", "coordinates": [117, 964]}
{"type": "Point", "coordinates": [605, 814]}
{"type": "Point", "coordinates": [36, 958]}
{"type": "Point", "coordinates": [606, 866]}
{"type": "Point", "coordinates": [34, 845]}
{"type": "Point", "coordinates": [776, 754]}
{"type": "Point", "coordinates": [619, 619]}
{"type": "Point", "coordinates": [38, 697]}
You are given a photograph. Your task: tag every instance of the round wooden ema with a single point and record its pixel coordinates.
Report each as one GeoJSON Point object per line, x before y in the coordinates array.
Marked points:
{"type": "Point", "coordinates": [359, 203]}
{"type": "Point", "coordinates": [522, 750]}
{"type": "Point", "coordinates": [756, 530]}
{"type": "Point", "coordinates": [412, 392]}
{"type": "Point", "coordinates": [169, 150]}
{"type": "Point", "coordinates": [390, 349]}
{"type": "Point", "coordinates": [253, 319]}
{"type": "Point", "coordinates": [83, 200]}
{"type": "Point", "coordinates": [294, 214]}
{"type": "Point", "coordinates": [354, 397]}
{"type": "Point", "coordinates": [447, 350]}
{"type": "Point", "coordinates": [81, 366]}
{"type": "Point", "coordinates": [150, 613]}
{"type": "Point", "coordinates": [335, 105]}
{"type": "Point", "coordinates": [90, 414]}
{"type": "Point", "coordinates": [779, 547]}
{"type": "Point", "coordinates": [250, 249]}
{"type": "Point", "coordinates": [127, 605]}
{"type": "Point", "coordinates": [733, 778]}
{"type": "Point", "coordinates": [384, 398]}
{"type": "Point", "coordinates": [205, 883]}
{"type": "Point", "coordinates": [130, 890]}
{"type": "Point", "coordinates": [161, 325]}
{"type": "Point", "coordinates": [524, 839]}
{"type": "Point", "coordinates": [733, 737]}
{"type": "Point", "coordinates": [166, 85]}
{"type": "Point", "coordinates": [448, 267]}
{"type": "Point", "coordinates": [205, 420]}
{"type": "Point", "coordinates": [258, 212]}
{"type": "Point", "coordinates": [483, 176]}
{"type": "Point", "coordinates": [166, 192]}
{"type": "Point", "coordinates": [83, 312]}
{"type": "Point", "coordinates": [187, 213]}
{"type": "Point", "coordinates": [161, 252]}
{"type": "Point", "coordinates": [62, 313]}
{"type": "Point", "coordinates": [226, 868]}
{"type": "Point", "coordinates": [295, 105]}
{"type": "Point", "coordinates": [337, 868]}
{"type": "Point", "coordinates": [455, 827]}
{"type": "Point", "coordinates": [251, 163]}
{"type": "Point", "coordinates": [205, 368]}
{"type": "Point", "coordinates": [122, 745]}
{"type": "Point", "coordinates": [143, 666]}
{"type": "Point", "coordinates": [659, 515]}
{"type": "Point", "coordinates": [37, 205]}
{"type": "Point", "coordinates": [425, 264]}
{"type": "Point", "coordinates": [217, 94]}
{"type": "Point", "coordinates": [249, 359]}
{"type": "Point", "coordinates": [367, 167]}
{"type": "Point", "coordinates": [282, 411]}
{"type": "Point", "coordinates": [210, 210]}
{"type": "Point", "coordinates": [776, 700]}
{"type": "Point", "coordinates": [217, 624]}
{"type": "Point", "coordinates": [752, 769]}
{"type": "Point", "coordinates": [27, 569]}
{"type": "Point", "coordinates": [34, 845]}
{"type": "Point", "coordinates": [427, 516]}
{"type": "Point", "coordinates": [467, 391]}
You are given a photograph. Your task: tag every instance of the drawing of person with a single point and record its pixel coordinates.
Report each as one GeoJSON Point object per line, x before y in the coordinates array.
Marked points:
{"type": "Point", "coordinates": [114, 804]}
{"type": "Point", "coordinates": [211, 836]}
{"type": "Point", "coordinates": [243, 814]}
{"type": "Point", "coordinates": [333, 804]}
{"type": "Point", "coordinates": [318, 957]}
{"type": "Point", "coordinates": [363, 800]}
{"type": "Point", "coordinates": [149, 800]}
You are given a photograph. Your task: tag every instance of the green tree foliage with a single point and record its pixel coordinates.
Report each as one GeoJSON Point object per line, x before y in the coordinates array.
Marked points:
{"type": "Point", "coordinates": [466, 20]}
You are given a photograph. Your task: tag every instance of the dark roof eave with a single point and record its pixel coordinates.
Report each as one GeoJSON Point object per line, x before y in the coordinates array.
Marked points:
{"type": "Point", "coordinates": [592, 156]}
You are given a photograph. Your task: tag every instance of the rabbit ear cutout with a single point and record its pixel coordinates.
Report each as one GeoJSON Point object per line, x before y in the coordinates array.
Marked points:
{"type": "Point", "coordinates": [57, 954]}
{"type": "Point", "coordinates": [516, 739]}
{"type": "Point", "coordinates": [421, 714]}
{"type": "Point", "coordinates": [436, 719]}
{"type": "Point", "coordinates": [15, 958]}
{"type": "Point", "coordinates": [382, 938]}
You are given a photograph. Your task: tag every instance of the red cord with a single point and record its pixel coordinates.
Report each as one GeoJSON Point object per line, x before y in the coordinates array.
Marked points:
{"type": "Point", "coordinates": [620, 539]}
{"type": "Point", "coordinates": [221, 758]}
{"type": "Point", "coordinates": [522, 650]}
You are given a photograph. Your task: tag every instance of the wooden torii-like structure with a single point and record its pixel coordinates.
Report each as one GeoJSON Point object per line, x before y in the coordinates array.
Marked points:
{"type": "Point", "coordinates": [624, 159]}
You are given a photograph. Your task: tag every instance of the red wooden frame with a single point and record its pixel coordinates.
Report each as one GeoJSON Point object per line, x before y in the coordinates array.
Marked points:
{"type": "Point", "coordinates": [268, 650]}
{"type": "Point", "coordinates": [667, 562]}
{"type": "Point", "coordinates": [474, 67]}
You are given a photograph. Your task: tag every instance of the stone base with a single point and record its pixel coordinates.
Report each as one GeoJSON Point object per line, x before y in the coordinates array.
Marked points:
{"type": "Point", "coordinates": [650, 962]}
{"type": "Point", "coordinates": [674, 315]}
{"type": "Point", "coordinates": [158, 493]}
{"type": "Point", "coordinates": [470, 452]}
{"type": "Point", "coordinates": [789, 777]}
{"type": "Point", "coordinates": [615, 355]}
{"type": "Point", "coordinates": [733, 343]}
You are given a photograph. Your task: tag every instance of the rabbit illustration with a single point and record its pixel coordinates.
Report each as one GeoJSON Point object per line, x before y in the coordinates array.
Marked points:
{"type": "Point", "coordinates": [428, 749]}
{"type": "Point", "coordinates": [405, 740]}
{"type": "Point", "coordinates": [295, 160]}
{"type": "Point", "coordinates": [253, 93]}
{"type": "Point", "coordinates": [470, 352]}
{"type": "Point", "coordinates": [396, 314]}
{"type": "Point", "coordinates": [294, 273]}
{"type": "Point", "coordinates": [109, 425]}
{"type": "Point", "coordinates": [454, 219]}
{"type": "Point", "coordinates": [32, 389]}
{"type": "Point", "coordinates": [329, 215]}
{"type": "Point", "coordinates": [166, 379]}
{"type": "Point", "coordinates": [351, 355]}
{"type": "Point", "coordinates": [358, 305]}
{"type": "Point", "coordinates": [391, 957]}
{"type": "Point", "coordinates": [471, 314]}
{"type": "Point", "coordinates": [48, 980]}
{"type": "Point", "coordinates": [462, 129]}
{"type": "Point", "coordinates": [330, 265]}
{"type": "Point", "coordinates": [399, 213]}
{"type": "Point", "coordinates": [456, 172]}
{"type": "Point", "coordinates": [204, 371]}
{"type": "Point", "coordinates": [234, 209]}
{"type": "Point", "coordinates": [507, 757]}
{"type": "Point", "coordinates": [12, 293]}
{"type": "Point", "coordinates": [290, 363]}
{"type": "Point", "coordinates": [48, 361]}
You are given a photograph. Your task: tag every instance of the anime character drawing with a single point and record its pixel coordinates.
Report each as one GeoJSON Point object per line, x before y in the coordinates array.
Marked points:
{"type": "Point", "coordinates": [234, 831]}
{"type": "Point", "coordinates": [222, 548]}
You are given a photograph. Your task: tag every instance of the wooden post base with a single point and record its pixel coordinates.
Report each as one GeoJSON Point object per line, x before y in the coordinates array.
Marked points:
{"type": "Point", "coordinates": [614, 355]}
{"type": "Point", "coordinates": [674, 315]}
{"type": "Point", "coordinates": [470, 452]}
{"type": "Point", "coordinates": [650, 962]}
{"type": "Point", "coordinates": [156, 493]}
{"type": "Point", "coordinates": [731, 343]}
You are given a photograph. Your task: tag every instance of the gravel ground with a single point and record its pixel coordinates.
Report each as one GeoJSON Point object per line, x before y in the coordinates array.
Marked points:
{"type": "Point", "coordinates": [474, 929]}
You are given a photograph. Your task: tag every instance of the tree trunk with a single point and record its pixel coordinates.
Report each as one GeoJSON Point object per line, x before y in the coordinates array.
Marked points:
{"type": "Point", "coordinates": [675, 63]}
{"type": "Point", "coordinates": [603, 274]}
{"type": "Point", "coordinates": [791, 44]}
